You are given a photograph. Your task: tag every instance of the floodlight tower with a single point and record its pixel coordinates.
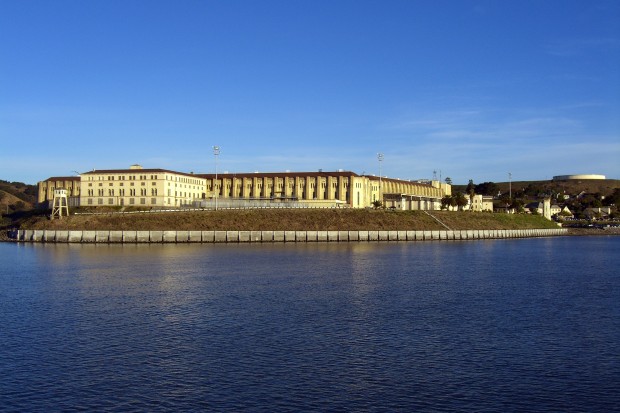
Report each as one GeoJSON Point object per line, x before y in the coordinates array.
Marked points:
{"type": "Point", "coordinates": [216, 153]}
{"type": "Point", "coordinates": [380, 159]}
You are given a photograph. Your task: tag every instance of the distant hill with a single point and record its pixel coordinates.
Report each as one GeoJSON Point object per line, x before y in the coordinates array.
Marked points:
{"type": "Point", "coordinates": [604, 187]}
{"type": "Point", "coordinates": [17, 196]}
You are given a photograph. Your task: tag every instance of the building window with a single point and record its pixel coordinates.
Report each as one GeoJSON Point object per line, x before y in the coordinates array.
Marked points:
{"type": "Point", "coordinates": [111, 201]}
{"type": "Point", "coordinates": [143, 201]}
{"type": "Point", "coordinates": [90, 201]}
{"type": "Point", "coordinates": [153, 201]}
{"type": "Point", "coordinates": [132, 201]}
{"type": "Point", "coordinates": [100, 201]}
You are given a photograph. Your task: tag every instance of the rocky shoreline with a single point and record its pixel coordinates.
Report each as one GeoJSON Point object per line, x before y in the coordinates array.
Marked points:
{"type": "Point", "coordinates": [594, 231]}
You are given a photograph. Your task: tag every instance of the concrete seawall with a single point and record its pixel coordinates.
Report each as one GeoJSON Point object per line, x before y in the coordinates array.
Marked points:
{"type": "Point", "coordinates": [60, 236]}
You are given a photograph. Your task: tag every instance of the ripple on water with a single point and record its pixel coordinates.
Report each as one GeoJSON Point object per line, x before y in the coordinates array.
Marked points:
{"type": "Point", "coordinates": [368, 327]}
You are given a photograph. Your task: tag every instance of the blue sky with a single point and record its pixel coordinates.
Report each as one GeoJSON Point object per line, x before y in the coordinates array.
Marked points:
{"type": "Point", "coordinates": [469, 89]}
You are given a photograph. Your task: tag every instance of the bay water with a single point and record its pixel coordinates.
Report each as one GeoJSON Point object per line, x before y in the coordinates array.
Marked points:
{"type": "Point", "coordinates": [494, 325]}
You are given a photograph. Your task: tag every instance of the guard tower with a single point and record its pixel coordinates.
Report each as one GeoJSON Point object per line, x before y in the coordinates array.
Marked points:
{"type": "Point", "coordinates": [60, 203]}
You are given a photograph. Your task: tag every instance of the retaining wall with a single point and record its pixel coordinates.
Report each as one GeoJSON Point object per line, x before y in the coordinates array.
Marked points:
{"type": "Point", "coordinates": [63, 236]}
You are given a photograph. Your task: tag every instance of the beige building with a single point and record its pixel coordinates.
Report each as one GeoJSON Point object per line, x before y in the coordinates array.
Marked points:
{"type": "Point", "coordinates": [141, 187]}
{"type": "Point", "coordinates": [482, 203]}
{"type": "Point", "coordinates": [46, 190]}
{"type": "Point", "coordinates": [326, 189]}
{"type": "Point", "coordinates": [137, 186]}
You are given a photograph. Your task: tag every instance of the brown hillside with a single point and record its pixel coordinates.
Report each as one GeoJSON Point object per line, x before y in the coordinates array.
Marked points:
{"type": "Point", "coordinates": [9, 199]}
{"type": "Point", "coordinates": [287, 219]}
{"type": "Point", "coordinates": [603, 186]}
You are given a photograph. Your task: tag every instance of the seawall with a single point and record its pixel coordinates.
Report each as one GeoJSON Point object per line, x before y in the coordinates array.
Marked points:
{"type": "Point", "coordinates": [64, 236]}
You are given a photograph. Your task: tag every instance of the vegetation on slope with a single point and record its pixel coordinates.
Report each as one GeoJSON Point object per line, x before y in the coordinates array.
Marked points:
{"type": "Point", "coordinates": [603, 187]}
{"type": "Point", "coordinates": [290, 219]}
{"type": "Point", "coordinates": [13, 192]}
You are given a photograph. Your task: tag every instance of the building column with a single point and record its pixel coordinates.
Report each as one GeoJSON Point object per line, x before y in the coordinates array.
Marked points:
{"type": "Point", "coordinates": [309, 190]}
{"type": "Point", "coordinates": [341, 190]}
{"type": "Point", "coordinates": [329, 192]}
{"type": "Point", "coordinates": [255, 190]}
{"type": "Point", "coordinates": [245, 189]}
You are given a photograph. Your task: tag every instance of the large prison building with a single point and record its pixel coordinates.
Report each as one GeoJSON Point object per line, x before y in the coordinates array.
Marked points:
{"type": "Point", "coordinates": [141, 187]}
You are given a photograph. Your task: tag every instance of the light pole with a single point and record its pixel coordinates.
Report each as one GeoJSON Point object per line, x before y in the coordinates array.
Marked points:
{"type": "Point", "coordinates": [509, 188]}
{"type": "Point", "coordinates": [380, 159]}
{"type": "Point", "coordinates": [216, 153]}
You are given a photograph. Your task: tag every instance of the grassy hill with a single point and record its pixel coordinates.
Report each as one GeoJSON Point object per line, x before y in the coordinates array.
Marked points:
{"type": "Point", "coordinates": [290, 219]}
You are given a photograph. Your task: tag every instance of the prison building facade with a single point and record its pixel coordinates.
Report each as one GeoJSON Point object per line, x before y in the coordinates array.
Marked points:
{"type": "Point", "coordinates": [141, 187]}
{"type": "Point", "coordinates": [46, 188]}
{"type": "Point", "coordinates": [341, 188]}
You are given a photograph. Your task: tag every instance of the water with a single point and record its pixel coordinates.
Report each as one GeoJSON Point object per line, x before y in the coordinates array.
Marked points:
{"type": "Point", "coordinates": [502, 325]}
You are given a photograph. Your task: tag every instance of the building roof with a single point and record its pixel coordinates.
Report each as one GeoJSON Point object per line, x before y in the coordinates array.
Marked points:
{"type": "Point", "coordinates": [404, 181]}
{"type": "Point", "coordinates": [63, 178]}
{"type": "Point", "coordinates": [318, 173]}
{"type": "Point", "coordinates": [276, 174]}
{"type": "Point", "coordinates": [240, 175]}
{"type": "Point", "coordinates": [137, 171]}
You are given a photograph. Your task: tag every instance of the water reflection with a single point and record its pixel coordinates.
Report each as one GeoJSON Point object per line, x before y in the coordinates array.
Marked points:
{"type": "Point", "coordinates": [320, 326]}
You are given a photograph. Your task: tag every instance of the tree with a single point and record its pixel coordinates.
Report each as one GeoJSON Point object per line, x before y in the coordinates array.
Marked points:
{"type": "Point", "coordinates": [448, 180]}
{"type": "Point", "coordinates": [517, 205]}
{"type": "Point", "coordinates": [487, 188]}
{"type": "Point", "coordinates": [613, 199]}
{"type": "Point", "coordinates": [460, 200]}
{"type": "Point", "coordinates": [506, 200]}
{"type": "Point", "coordinates": [377, 204]}
{"type": "Point", "coordinates": [448, 201]}
{"type": "Point", "coordinates": [471, 192]}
